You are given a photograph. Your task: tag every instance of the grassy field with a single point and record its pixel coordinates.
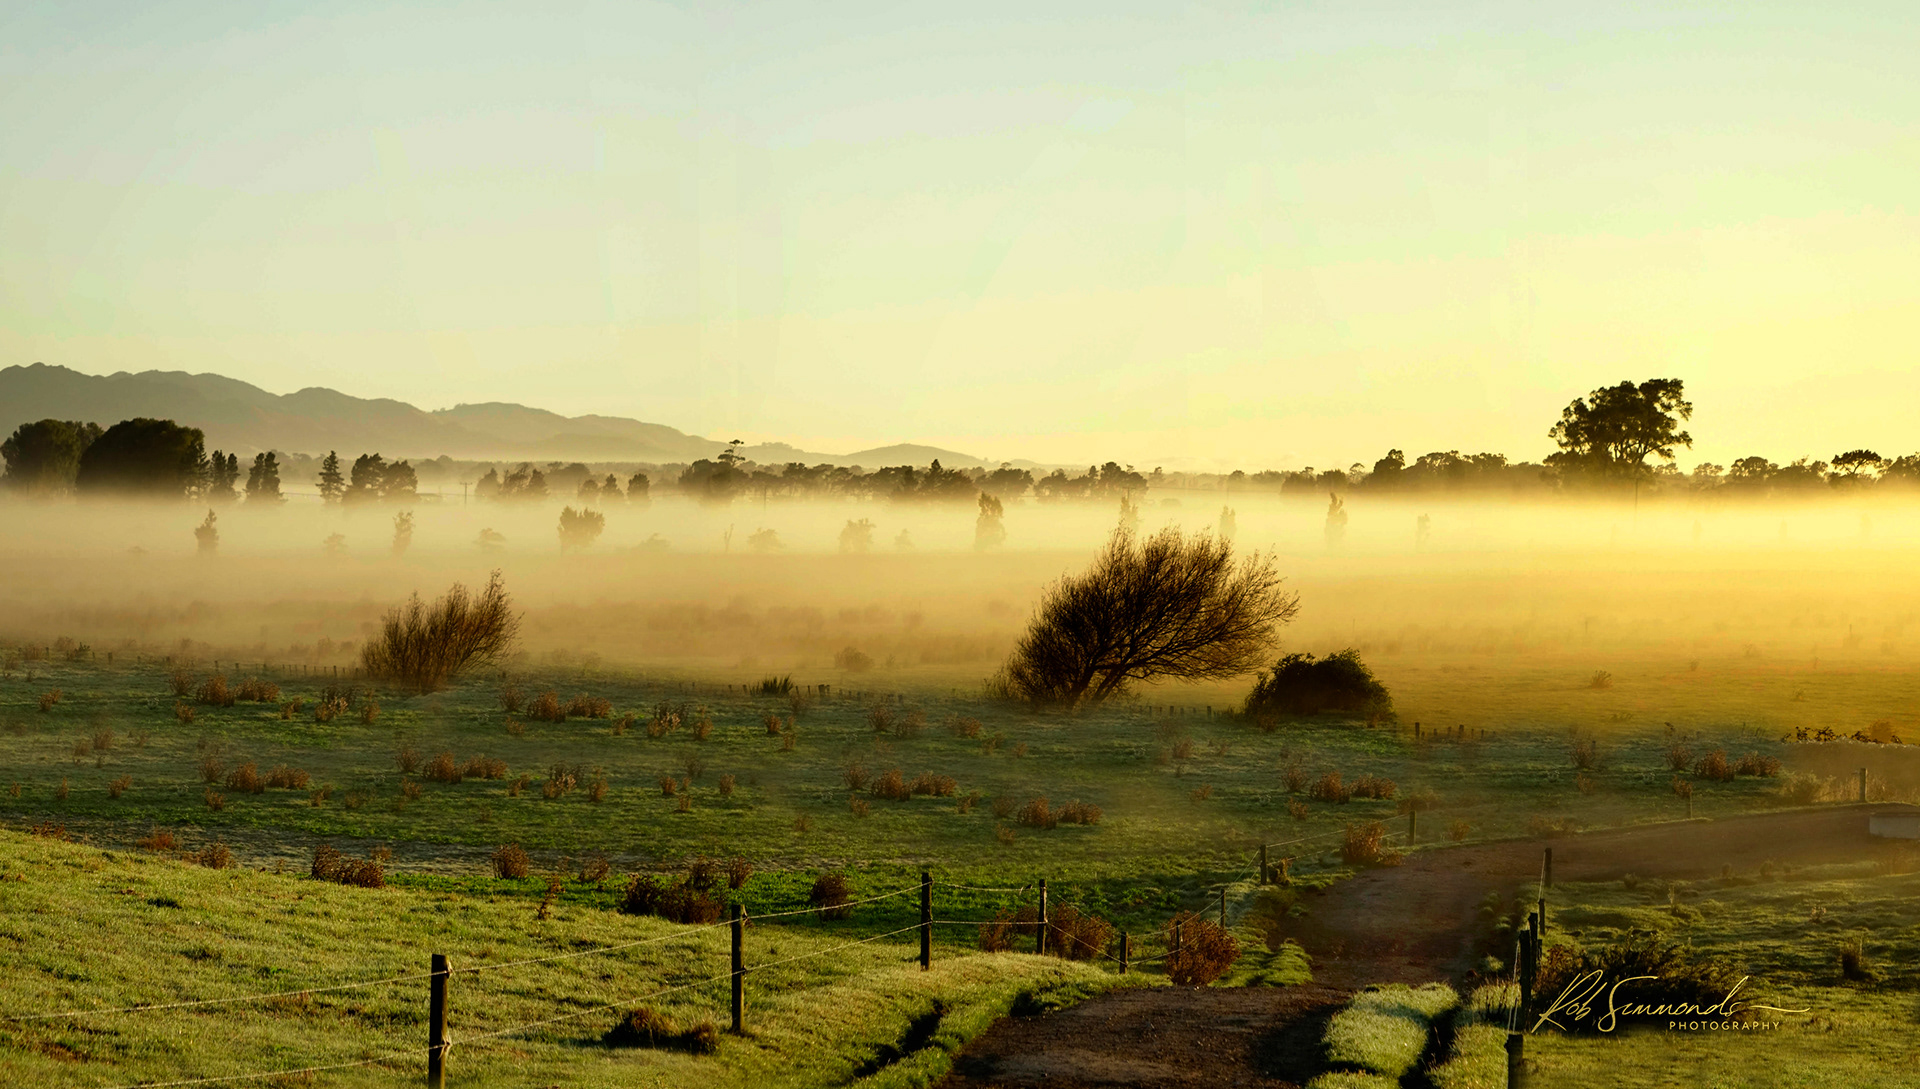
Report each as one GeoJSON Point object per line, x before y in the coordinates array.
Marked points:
{"type": "Point", "coordinates": [1185, 798]}
{"type": "Point", "coordinates": [1786, 930]}
{"type": "Point", "coordinates": [86, 929]}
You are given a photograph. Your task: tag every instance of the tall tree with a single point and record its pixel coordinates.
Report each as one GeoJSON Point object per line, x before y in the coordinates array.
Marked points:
{"type": "Point", "coordinates": [332, 483]}
{"type": "Point", "coordinates": [263, 479]}
{"type": "Point", "coordinates": [43, 458]}
{"type": "Point", "coordinates": [144, 457]}
{"type": "Point", "coordinates": [222, 471]}
{"type": "Point", "coordinates": [1611, 432]}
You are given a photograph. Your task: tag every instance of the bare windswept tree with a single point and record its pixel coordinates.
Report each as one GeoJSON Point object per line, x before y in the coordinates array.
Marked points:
{"type": "Point", "coordinates": [424, 646]}
{"type": "Point", "coordinates": [1166, 606]}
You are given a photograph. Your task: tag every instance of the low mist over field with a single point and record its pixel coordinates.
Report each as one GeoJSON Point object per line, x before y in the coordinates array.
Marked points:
{"type": "Point", "coordinates": [1799, 593]}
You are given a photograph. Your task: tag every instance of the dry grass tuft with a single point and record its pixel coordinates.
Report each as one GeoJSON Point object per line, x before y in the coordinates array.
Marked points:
{"type": "Point", "coordinates": [1198, 951]}
{"type": "Point", "coordinates": [246, 779]}
{"type": "Point", "coordinates": [1329, 788]}
{"type": "Point", "coordinates": [1364, 844]}
{"type": "Point", "coordinates": [119, 786]}
{"type": "Point", "coordinates": [330, 865]}
{"type": "Point", "coordinates": [1714, 766]}
{"type": "Point", "coordinates": [160, 839]}
{"type": "Point", "coordinates": [509, 860]}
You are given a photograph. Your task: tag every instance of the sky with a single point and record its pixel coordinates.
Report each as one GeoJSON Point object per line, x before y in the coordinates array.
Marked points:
{"type": "Point", "coordinates": [1182, 234]}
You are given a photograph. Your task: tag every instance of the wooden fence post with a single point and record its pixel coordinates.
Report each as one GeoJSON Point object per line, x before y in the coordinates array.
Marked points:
{"type": "Point", "coordinates": [739, 972]}
{"type": "Point", "coordinates": [1264, 870]}
{"type": "Point", "coordinates": [1413, 817]}
{"type": "Point", "coordinates": [1223, 907]}
{"type": "Point", "coordinates": [1126, 952]}
{"type": "Point", "coordinates": [926, 920]}
{"type": "Point", "coordinates": [1040, 943]}
{"type": "Point", "coordinates": [1546, 869]}
{"type": "Point", "coordinates": [437, 1023]}
{"type": "Point", "coordinates": [1516, 1061]}
{"type": "Point", "coordinates": [1863, 784]}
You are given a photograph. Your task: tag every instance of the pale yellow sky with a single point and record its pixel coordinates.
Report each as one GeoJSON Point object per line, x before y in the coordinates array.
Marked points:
{"type": "Point", "coordinates": [1228, 235]}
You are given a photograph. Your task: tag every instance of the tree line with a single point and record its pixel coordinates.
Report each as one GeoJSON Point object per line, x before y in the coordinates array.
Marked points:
{"type": "Point", "coordinates": [1619, 438]}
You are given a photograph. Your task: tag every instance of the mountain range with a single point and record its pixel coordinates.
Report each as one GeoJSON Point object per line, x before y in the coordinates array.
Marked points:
{"type": "Point", "coordinates": [244, 419]}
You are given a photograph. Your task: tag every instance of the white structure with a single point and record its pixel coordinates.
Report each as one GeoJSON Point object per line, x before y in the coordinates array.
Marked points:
{"type": "Point", "coordinates": [1895, 824]}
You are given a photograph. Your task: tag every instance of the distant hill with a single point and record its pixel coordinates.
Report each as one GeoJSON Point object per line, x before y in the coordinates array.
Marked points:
{"type": "Point", "coordinates": [245, 418]}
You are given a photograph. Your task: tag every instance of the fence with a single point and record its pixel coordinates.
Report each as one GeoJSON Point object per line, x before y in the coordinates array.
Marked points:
{"type": "Point", "coordinates": [442, 975]}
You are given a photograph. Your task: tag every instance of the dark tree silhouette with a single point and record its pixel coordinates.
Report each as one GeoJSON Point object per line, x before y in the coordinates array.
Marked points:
{"type": "Point", "coordinates": [332, 483]}
{"type": "Point", "coordinates": [43, 458]}
{"type": "Point", "coordinates": [1610, 432]}
{"type": "Point", "coordinates": [263, 479]}
{"type": "Point", "coordinates": [143, 457]}
{"type": "Point", "coordinates": [1167, 606]}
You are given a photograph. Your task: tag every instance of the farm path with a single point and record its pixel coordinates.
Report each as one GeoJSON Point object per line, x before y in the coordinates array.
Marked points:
{"type": "Point", "coordinates": [1406, 924]}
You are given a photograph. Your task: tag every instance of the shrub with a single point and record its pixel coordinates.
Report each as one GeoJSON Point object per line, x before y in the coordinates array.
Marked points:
{"type": "Point", "coordinates": [1296, 778]}
{"type": "Point", "coordinates": [1377, 787]}
{"type": "Point", "coordinates": [119, 786]}
{"type": "Point", "coordinates": [1297, 810]}
{"type": "Point", "coordinates": [509, 861]}
{"type": "Point", "coordinates": [255, 690]}
{"type": "Point", "coordinates": [666, 719]}
{"type": "Point", "coordinates": [595, 870]}
{"type": "Point", "coordinates": [1329, 788]}
{"type": "Point", "coordinates": [1075, 935]}
{"type": "Point", "coordinates": [369, 711]}
{"type": "Point", "coordinates": [484, 767]}
{"type": "Point", "coordinates": [1037, 814]}
{"type": "Point", "coordinates": [1586, 753]}
{"type": "Point", "coordinates": [772, 722]}
{"type": "Point", "coordinates": [409, 791]}
{"type": "Point", "coordinates": [855, 776]}
{"type": "Point", "coordinates": [646, 1028]}
{"type": "Point", "coordinates": [424, 646]}
{"type": "Point", "coordinates": [852, 659]}
{"type": "Point", "coordinates": [938, 786]}
{"type": "Point", "coordinates": [891, 787]}
{"type": "Point", "coordinates": [1679, 757]}
{"type": "Point", "coordinates": [214, 856]}
{"type": "Point", "coordinates": [859, 806]}
{"type": "Point", "coordinates": [1004, 834]}
{"type": "Point", "coordinates": [669, 786]}
{"type": "Point", "coordinates": [683, 902]}
{"type": "Point", "coordinates": [997, 936]}
{"type": "Point", "coordinates": [1714, 765]}
{"type": "Point", "coordinates": [246, 779]}
{"type": "Point", "coordinates": [330, 865]}
{"type": "Point", "coordinates": [1202, 952]}
{"type": "Point", "coordinates": [1802, 789]}
{"type": "Point", "coordinates": [1753, 763]}
{"type": "Point", "coordinates": [319, 797]}
{"type": "Point", "coordinates": [102, 740]}
{"type": "Point", "coordinates": [184, 712]}
{"type": "Point", "coordinates": [1299, 684]}
{"type": "Point", "coordinates": [180, 683]}
{"type": "Point", "coordinates": [589, 707]}
{"type": "Point", "coordinates": [597, 790]}
{"type": "Point", "coordinates": [1202, 793]}
{"type": "Point", "coordinates": [546, 707]}
{"type": "Point", "coordinates": [1183, 749]}
{"type": "Point", "coordinates": [561, 779]}
{"type": "Point", "coordinates": [1079, 813]}
{"type": "Point", "coordinates": [1600, 679]}
{"type": "Point", "coordinates": [442, 769]}
{"type": "Point", "coordinates": [328, 708]}
{"type": "Point", "coordinates": [1003, 806]}
{"type": "Point", "coordinates": [726, 786]}
{"type": "Point", "coordinates": [408, 758]}
{"type": "Point", "coordinates": [1458, 831]}
{"type": "Point", "coordinates": [963, 727]}
{"type": "Point", "coordinates": [738, 870]}
{"type": "Point", "coordinates": [158, 840]}
{"type": "Point", "coordinates": [911, 723]}
{"type": "Point", "coordinates": [1364, 844]}
{"type": "Point", "coordinates": [829, 896]}
{"type": "Point", "coordinates": [511, 701]}
{"type": "Point", "coordinates": [215, 693]}
{"type": "Point", "coordinates": [1167, 606]}
{"type": "Point", "coordinates": [880, 717]}
{"type": "Point", "coordinates": [287, 778]}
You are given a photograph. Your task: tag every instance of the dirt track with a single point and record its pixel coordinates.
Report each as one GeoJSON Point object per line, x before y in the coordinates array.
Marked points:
{"type": "Point", "coordinates": [1357, 933]}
